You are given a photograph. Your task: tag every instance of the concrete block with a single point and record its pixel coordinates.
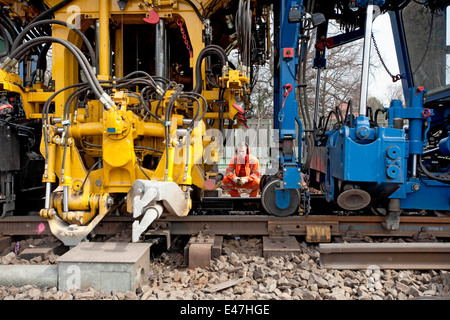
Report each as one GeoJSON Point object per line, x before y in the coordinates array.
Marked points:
{"type": "Point", "coordinates": [43, 251]}
{"type": "Point", "coordinates": [36, 275]}
{"type": "Point", "coordinates": [105, 266]}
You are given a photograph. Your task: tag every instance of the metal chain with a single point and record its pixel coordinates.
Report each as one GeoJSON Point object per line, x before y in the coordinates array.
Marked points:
{"type": "Point", "coordinates": [394, 78]}
{"type": "Point", "coordinates": [186, 41]}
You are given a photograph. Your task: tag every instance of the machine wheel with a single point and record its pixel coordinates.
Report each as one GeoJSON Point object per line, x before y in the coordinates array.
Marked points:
{"type": "Point", "coordinates": [268, 200]}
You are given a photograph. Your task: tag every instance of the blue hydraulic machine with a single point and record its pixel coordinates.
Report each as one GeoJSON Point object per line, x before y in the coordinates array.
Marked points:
{"type": "Point", "coordinates": [402, 168]}
{"type": "Point", "coordinates": [382, 170]}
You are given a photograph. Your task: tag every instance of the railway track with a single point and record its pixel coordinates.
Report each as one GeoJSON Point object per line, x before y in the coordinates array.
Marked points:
{"type": "Point", "coordinates": [354, 254]}
{"type": "Point", "coordinates": [279, 234]}
{"type": "Point", "coordinates": [411, 256]}
{"type": "Point", "coordinates": [317, 228]}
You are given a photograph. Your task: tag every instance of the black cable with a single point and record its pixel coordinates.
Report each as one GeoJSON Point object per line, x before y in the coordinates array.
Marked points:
{"type": "Point", "coordinates": [199, 15]}
{"type": "Point", "coordinates": [376, 116]}
{"type": "Point", "coordinates": [30, 26]}
{"type": "Point", "coordinates": [328, 118]}
{"type": "Point", "coordinates": [92, 79]}
{"type": "Point", "coordinates": [147, 148]}
{"type": "Point", "coordinates": [167, 119]}
{"type": "Point", "coordinates": [147, 108]}
{"type": "Point", "coordinates": [42, 58]}
{"type": "Point", "coordinates": [50, 11]}
{"type": "Point", "coordinates": [339, 116]}
{"type": "Point", "coordinates": [169, 86]}
{"type": "Point", "coordinates": [45, 116]}
{"type": "Point", "coordinates": [91, 144]}
{"type": "Point", "coordinates": [11, 29]}
{"type": "Point", "coordinates": [140, 167]}
{"type": "Point", "coordinates": [429, 174]}
{"type": "Point", "coordinates": [87, 175]}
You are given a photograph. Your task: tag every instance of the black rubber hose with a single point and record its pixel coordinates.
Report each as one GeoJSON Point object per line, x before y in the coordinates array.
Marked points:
{"type": "Point", "coordinates": [22, 49]}
{"type": "Point", "coordinates": [13, 33]}
{"type": "Point", "coordinates": [45, 111]}
{"type": "Point", "coordinates": [50, 11]}
{"type": "Point", "coordinates": [29, 27]}
{"type": "Point", "coordinates": [211, 49]}
{"type": "Point", "coordinates": [429, 174]}
{"type": "Point", "coordinates": [200, 16]}
{"type": "Point", "coordinates": [42, 58]}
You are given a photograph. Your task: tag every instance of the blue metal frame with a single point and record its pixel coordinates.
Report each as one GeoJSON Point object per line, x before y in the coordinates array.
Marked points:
{"type": "Point", "coordinates": [385, 159]}
{"type": "Point", "coordinates": [285, 103]}
{"type": "Point", "coordinates": [402, 52]}
{"type": "Point", "coordinates": [375, 159]}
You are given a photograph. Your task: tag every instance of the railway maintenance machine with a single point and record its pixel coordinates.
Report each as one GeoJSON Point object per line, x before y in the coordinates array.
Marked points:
{"type": "Point", "coordinates": [121, 106]}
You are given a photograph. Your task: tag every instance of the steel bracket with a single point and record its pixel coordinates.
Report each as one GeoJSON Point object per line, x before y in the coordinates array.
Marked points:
{"type": "Point", "coordinates": [201, 249]}
{"type": "Point", "coordinates": [161, 232]}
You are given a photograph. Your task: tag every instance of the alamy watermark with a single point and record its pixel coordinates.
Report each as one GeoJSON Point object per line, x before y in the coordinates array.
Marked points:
{"type": "Point", "coordinates": [262, 143]}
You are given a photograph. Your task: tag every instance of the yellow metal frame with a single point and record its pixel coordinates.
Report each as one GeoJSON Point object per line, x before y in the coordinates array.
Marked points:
{"type": "Point", "coordinates": [113, 134]}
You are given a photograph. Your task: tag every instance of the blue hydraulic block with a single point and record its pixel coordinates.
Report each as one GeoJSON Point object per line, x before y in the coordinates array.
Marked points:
{"type": "Point", "coordinates": [416, 120]}
{"type": "Point", "coordinates": [416, 115]}
{"type": "Point", "coordinates": [381, 159]}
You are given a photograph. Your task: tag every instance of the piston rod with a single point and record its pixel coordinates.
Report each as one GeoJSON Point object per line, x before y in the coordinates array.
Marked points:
{"type": "Point", "coordinates": [366, 60]}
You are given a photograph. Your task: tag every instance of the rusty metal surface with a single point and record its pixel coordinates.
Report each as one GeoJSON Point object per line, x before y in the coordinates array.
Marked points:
{"type": "Point", "coordinates": [252, 225]}
{"type": "Point", "coordinates": [273, 226]}
{"type": "Point", "coordinates": [24, 225]}
{"type": "Point", "coordinates": [395, 256]}
{"type": "Point", "coordinates": [37, 226]}
{"type": "Point", "coordinates": [198, 251]}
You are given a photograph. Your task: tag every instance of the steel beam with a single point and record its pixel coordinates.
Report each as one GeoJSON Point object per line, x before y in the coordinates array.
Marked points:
{"type": "Point", "coordinates": [394, 256]}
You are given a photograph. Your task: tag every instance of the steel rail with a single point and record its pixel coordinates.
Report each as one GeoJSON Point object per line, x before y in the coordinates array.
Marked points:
{"type": "Point", "coordinates": [395, 256]}
{"type": "Point", "coordinates": [252, 225]}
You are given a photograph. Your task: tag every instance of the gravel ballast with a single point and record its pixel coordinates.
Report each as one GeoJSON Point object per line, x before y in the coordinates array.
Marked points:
{"type": "Point", "coordinates": [242, 273]}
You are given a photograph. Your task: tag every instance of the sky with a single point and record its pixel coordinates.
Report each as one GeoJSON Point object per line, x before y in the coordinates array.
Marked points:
{"type": "Point", "coordinates": [380, 83]}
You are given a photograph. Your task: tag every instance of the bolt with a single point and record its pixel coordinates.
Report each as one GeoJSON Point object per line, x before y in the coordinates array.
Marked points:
{"type": "Point", "coordinates": [110, 201]}
{"type": "Point", "coordinates": [415, 187]}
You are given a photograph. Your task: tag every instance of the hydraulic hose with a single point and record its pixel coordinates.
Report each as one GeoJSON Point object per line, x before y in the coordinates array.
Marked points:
{"type": "Point", "coordinates": [5, 23]}
{"type": "Point", "coordinates": [18, 53]}
{"type": "Point", "coordinates": [31, 26]}
{"type": "Point", "coordinates": [211, 49]}
{"type": "Point", "coordinates": [50, 11]}
{"type": "Point", "coordinates": [429, 174]}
